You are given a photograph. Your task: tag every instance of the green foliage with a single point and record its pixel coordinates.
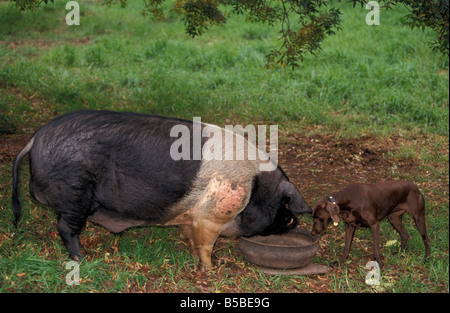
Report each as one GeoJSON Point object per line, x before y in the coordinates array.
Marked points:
{"type": "Point", "coordinates": [432, 14]}
{"type": "Point", "coordinates": [312, 24]}
{"type": "Point", "coordinates": [304, 23]}
{"type": "Point", "coordinates": [365, 79]}
{"type": "Point", "coordinates": [306, 38]}
{"type": "Point", "coordinates": [123, 3]}
{"type": "Point", "coordinates": [197, 14]}
{"type": "Point", "coordinates": [30, 4]}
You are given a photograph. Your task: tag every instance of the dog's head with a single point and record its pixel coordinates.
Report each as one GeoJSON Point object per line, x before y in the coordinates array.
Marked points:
{"type": "Point", "coordinates": [324, 211]}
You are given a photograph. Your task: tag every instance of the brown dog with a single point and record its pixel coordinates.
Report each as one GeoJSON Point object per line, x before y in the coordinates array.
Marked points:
{"type": "Point", "coordinates": [365, 205]}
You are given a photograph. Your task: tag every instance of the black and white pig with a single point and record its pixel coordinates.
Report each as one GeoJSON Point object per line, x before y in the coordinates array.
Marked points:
{"type": "Point", "coordinates": [117, 170]}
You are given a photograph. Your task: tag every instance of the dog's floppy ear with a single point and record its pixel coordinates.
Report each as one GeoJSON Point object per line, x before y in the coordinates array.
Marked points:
{"type": "Point", "coordinates": [333, 209]}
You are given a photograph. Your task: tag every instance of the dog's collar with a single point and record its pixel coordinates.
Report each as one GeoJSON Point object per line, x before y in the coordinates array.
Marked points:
{"type": "Point", "coordinates": [332, 199]}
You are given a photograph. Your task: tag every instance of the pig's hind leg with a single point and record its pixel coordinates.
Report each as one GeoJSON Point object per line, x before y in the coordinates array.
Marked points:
{"type": "Point", "coordinates": [188, 235]}
{"type": "Point", "coordinates": [72, 217]}
{"type": "Point", "coordinates": [69, 230]}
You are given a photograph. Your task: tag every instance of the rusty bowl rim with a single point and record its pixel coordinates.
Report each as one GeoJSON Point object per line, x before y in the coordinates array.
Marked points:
{"type": "Point", "coordinates": [302, 231]}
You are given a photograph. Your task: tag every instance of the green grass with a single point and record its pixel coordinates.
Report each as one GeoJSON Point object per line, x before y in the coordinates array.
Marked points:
{"type": "Point", "coordinates": [378, 81]}
{"type": "Point", "coordinates": [366, 78]}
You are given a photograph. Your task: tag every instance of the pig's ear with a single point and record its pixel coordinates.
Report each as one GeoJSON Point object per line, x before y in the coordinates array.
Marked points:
{"type": "Point", "coordinates": [333, 209]}
{"type": "Point", "coordinates": [293, 198]}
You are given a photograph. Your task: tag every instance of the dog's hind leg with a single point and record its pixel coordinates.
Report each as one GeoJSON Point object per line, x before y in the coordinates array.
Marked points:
{"type": "Point", "coordinates": [395, 219]}
{"type": "Point", "coordinates": [375, 227]}
{"type": "Point", "coordinates": [417, 211]}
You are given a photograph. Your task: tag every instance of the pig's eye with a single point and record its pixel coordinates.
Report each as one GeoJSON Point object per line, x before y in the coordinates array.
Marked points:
{"type": "Point", "coordinates": [286, 201]}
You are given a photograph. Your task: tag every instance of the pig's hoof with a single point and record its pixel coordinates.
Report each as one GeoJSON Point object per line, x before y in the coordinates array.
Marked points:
{"type": "Point", "coordinates": [76, 257]}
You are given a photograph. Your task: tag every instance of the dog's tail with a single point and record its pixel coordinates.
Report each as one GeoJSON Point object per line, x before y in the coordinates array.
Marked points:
{"type": "Point", "coordinates": [17, 207]}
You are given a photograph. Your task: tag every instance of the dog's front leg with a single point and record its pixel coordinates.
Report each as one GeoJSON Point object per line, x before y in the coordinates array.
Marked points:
{"type": "Point", "coordinates": [349, 233]}
{"type": "Point", "coordinates": [376, 242]}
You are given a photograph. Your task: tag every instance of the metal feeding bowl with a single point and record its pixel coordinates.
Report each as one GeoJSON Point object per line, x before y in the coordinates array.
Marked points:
{"type": "Point", "coordinates": [290, 253]}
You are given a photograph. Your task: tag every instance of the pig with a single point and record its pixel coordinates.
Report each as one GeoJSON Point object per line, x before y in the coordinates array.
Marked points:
{"type": "Point", "coordinates": [118, 170]}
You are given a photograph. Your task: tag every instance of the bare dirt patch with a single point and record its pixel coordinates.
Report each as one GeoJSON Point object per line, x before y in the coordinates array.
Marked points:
{"type": "Point", "coordinates": [320, 164]}
{"type": "Point", "coordinates": [11, 145]}
{"type": "Point", "coordinates": [43, 43]}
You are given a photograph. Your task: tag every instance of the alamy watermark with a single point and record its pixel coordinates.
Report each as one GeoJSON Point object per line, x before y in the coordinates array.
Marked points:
{"type": "Point", "coordinates": [373, 276]}
{"type": "Point", "coordinates": [73, 276]}
{"type": "Point", "coordinates": [73, 17]}
{"type": "Point", "coordinates": [373, 17]}
{"type": "Point", "coordinates": [225, 144]}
